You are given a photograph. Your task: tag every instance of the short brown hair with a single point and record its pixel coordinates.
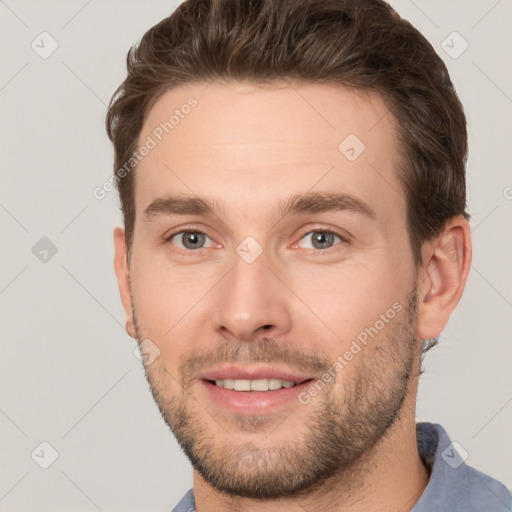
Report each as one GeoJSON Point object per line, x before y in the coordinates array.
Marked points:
{"type": "Point", "coordinates": [362, 44]}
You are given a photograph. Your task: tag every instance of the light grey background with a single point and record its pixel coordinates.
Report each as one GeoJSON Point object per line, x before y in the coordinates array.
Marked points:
{"type": "Point", "coordinates": [68, 375]}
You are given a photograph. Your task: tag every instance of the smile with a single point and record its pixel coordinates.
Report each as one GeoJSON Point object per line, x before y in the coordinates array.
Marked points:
{"type": "Point", "coordinates": [254, 385]}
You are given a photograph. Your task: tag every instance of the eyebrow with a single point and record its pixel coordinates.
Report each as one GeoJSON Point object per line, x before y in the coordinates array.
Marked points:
{"type": "Point", "coordinates": [310, 202]}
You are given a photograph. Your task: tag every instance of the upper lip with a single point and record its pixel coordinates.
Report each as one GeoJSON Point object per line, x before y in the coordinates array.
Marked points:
{"type": "Point", "coordinates": [253, 373]}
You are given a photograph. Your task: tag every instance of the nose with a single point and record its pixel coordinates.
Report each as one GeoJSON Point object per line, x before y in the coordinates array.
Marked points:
{"type": "Point", "coordinates": [251, 302]}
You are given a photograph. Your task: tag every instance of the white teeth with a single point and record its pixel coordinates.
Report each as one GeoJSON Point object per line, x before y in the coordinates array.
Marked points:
{"type": "Point", "coordinates": [274, 383]}
{"type": "Point", "coordinates": [254, 385]}
{"type": "Point", "coordinates": [228, 384]}
{"type": "Point", "coordinates": [259, 385]}
{"type": "Point", "coordinates": [242, 385]}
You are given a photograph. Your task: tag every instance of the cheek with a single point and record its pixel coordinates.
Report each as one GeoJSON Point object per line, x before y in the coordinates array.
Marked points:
{"type": "Point", "coordinates": [153, 298]}
{"type": "Point", "coordinates": [352, 297]}
{"type": "Point", "coordinates": [167, 301]}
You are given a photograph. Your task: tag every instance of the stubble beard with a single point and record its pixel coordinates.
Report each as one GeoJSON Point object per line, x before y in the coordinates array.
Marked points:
{"type": "Point", "coordinates": [343, 423]}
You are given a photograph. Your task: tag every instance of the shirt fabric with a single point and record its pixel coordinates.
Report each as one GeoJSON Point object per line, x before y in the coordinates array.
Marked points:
{"type": "Point", "coordinates": [453, 485]}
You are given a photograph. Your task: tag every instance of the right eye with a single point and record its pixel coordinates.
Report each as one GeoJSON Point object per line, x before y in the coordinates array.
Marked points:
{"type": "Point", "coordinates": [189, 240]}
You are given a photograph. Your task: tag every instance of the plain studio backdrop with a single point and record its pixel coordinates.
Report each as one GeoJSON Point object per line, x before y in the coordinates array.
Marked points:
{"type": "Point", "coordinates": [73, 395]}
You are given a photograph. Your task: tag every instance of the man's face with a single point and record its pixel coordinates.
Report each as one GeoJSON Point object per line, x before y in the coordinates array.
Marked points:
{"type": "Point", "coordinates": [302, 269]}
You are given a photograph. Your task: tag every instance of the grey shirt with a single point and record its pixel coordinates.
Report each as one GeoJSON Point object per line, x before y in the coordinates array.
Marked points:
{"type": "Point", "coordinates": [453, 485]}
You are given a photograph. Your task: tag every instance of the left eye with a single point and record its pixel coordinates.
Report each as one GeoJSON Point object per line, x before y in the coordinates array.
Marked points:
{"type": "Point", "coordinates": [320, 240]}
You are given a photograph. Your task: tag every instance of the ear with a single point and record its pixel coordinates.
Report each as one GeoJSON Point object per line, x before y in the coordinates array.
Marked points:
{"type": "Point", "coordinates": [441, 281]}
{"type": "Point", "coordinates": [123, 278]}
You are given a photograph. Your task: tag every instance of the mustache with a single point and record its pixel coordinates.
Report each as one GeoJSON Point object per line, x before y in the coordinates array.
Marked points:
{"type": "Point", "coordinates": [264, 350]}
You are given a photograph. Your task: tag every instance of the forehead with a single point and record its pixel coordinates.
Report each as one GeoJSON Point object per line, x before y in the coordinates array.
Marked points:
{"type": "Point", "coordinates": [248, 146]}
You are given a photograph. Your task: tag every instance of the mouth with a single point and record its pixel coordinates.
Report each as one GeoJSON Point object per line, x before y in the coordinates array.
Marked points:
{"type": "Point", "coordinates": [253, 391]}
{"type": "Point", "coordinates": [255, 384]}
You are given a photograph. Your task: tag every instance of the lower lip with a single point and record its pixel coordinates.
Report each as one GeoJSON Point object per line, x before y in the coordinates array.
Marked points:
{"type": "Point", "coordinates": [253, 402]}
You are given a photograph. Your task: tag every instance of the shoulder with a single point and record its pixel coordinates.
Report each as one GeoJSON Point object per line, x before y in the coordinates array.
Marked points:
{"type": "Point", "coordinates": [186, 503]}
{"type": "Point", "coordinates": [454, 485]}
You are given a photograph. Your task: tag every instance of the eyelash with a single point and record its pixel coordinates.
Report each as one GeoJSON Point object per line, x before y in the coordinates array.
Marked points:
{"type": "Point", "coordinates": [186, 229]}
{"type": "Point", "coordinates": [191, 229]}
{"type": "Point", "coordinates": [327, 232]}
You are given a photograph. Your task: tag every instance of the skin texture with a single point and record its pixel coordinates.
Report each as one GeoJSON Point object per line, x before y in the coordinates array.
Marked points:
{"type": "Point", "coordinates": [247, 149]}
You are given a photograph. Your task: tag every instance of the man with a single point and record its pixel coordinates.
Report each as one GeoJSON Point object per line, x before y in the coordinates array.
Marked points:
{"type": "Point", "coordinates": [292, 180]}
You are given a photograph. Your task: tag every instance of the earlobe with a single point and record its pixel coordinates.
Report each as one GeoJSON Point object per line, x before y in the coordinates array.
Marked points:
{"type": "Point", "coordinates": [123, 279]}
{"type": "Point", "coordinates": [445, 270]}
